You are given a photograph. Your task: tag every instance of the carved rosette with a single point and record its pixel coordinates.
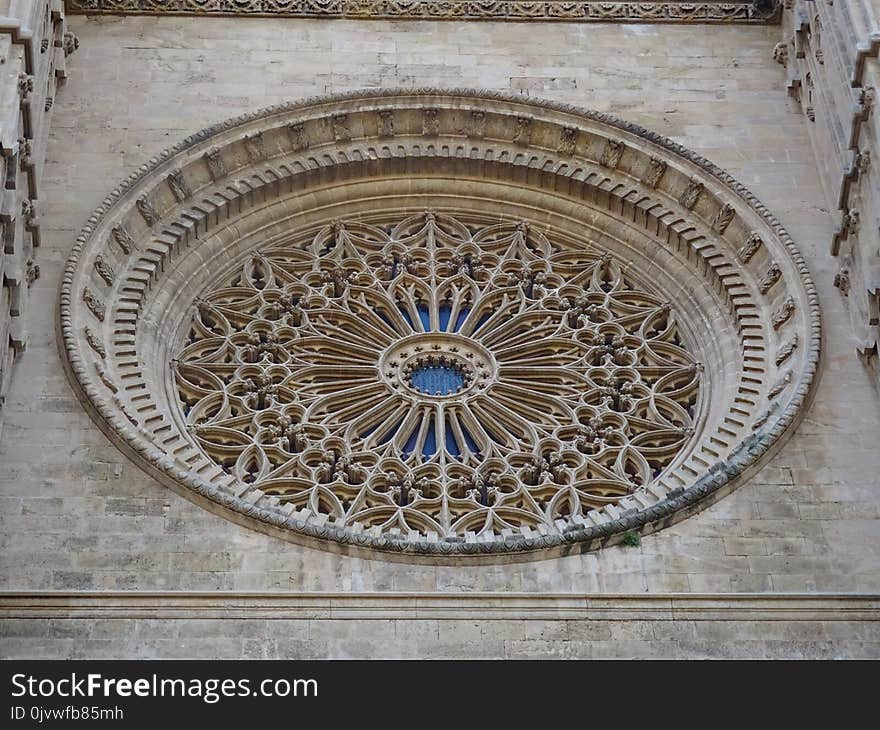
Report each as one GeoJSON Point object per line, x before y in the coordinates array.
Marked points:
{"type": "Point", "coordinates": [372, 358]}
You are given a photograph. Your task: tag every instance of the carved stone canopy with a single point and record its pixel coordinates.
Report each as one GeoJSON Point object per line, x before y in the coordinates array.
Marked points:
{"type": "Point", "coordinates": [439, 325]}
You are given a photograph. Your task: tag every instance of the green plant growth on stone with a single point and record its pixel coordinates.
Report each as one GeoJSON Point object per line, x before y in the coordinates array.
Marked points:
{"type": "Point", "coordinates": [632, 539]}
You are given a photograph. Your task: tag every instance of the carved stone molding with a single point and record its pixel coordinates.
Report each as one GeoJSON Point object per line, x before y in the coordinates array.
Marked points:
{"type": "Point", "coordinates": [465, 606]}
{"type": "Point", "coordinates": [615, 247]}
{"type": "Point", "coordinates": [653, 11]}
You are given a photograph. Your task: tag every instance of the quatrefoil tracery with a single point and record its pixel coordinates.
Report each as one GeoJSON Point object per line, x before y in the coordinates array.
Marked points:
{"type": "Point", "coordinates": [438, 375]}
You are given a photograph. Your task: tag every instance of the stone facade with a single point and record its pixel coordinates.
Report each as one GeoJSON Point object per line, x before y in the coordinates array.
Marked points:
{"type": "Point", "coordinates": [34, 45]}
{"type": "Point", "coordinates": [830, 52]}
{"type": "Point", "coordinates": [78, 515]}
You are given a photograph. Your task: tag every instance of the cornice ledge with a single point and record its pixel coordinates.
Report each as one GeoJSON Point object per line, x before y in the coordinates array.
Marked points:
{"type": "Point", "coordinates": [583, 11]}
{"type": "Point", "coordinates": [393, 605]}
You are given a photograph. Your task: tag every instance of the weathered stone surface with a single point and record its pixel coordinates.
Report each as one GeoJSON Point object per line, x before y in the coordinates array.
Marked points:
{"type": "Point", "coordinates": [808, 521]}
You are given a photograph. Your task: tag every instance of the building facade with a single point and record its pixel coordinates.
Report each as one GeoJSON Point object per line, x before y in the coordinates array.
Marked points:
{"type": "Point", "coordinates": [473, 330]}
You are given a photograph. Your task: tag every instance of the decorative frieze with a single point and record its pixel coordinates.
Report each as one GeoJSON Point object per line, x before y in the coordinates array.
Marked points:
{"type": "Point", "coordinates": [652, 11]}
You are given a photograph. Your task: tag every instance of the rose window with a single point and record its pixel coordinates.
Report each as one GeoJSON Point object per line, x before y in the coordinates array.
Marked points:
{"type": "Point", "coordinates": [439, 325]}
{"type": "Point", "coordinates": [440, 375]}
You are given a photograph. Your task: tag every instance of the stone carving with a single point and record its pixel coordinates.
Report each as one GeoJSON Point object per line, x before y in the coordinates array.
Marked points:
{"type": "Point", "coordinates": [69, 43]}
{"type": "Point", "coordinates": [253, 144]}
{"type": "Point", "coordinates": [298, 137]}
{"type": "Point", "coordinates": [50, 100]}
{"type": "Point", "coordinates": [32, 272]}
{"type": "Point", "coordinates": [25, 85]}
{"type": "Point", "coordinates": [655, 173]}
{"type": "Point", "coordinates": [476, 127]}
{"type": "Point", "coordinates": [783, 314]}
{"type": "Point", "coordinates": [44, 45]}
{"type": "Point", "coordinates": [780, 53]}
{"type": "Point", "coordinates": [750, 247]}
{"type": "Point", "coordinates": [655, 11]}
{"type": "Point", "coordinates": [123, 239]}
{"type": "Point", "coordinates": [105, 377]}
{"type": "Point", "coordinates": [364, 272]}
{"type": "Point", "coordinates": [124, 410]}
{"type": "Point", "coordinates": [787, 350]}
{"type": "Point", "coordinates": [431, 122]}
{"type": "Point", "coordinates": [417, 340]}
{"type": "Point", "coordinates": [25, 151]}
{"type": "Point", "coordinates": [95, 343]}
{"type": "Point", "coordinates": [523, 134]}
{"type": "Point", "coordinates": [852, 221]}
{"type": "Point", "coordinates": [779, 386]}
{"type": "Point", "coordinates": [341, 131]}
{"type": "Point", "coordinates": [94, 304]}
{"type": "Point", "coordinates": [867, 97]}
{"type": "Point", "coordinates": [29, 212]}
{"type": "Point", "coordinates": [723, 218]}
{"type": "Point", "coordinates": [612, 153]}
{"type": "Point", "coordinates": [386, 123]}
{"type": "Point", "coordinates": [841, 280]}
{"type": "Point", "coordinates": [216, 166]}
{"type": "Point", "coordinates": [568, 140]}
{"type": "Point", "coordinates": [691, 193]}
{"type": "Point", "coordinates": [147, 211]}
{"type": "Point", "coordinates": [104, 270]}
{"type": "Point", "coordinates": [765, 416]}
{"type": "Point", "coordinates": [178, 185]}
{"type": "Point", "coordinates": [770, 278]}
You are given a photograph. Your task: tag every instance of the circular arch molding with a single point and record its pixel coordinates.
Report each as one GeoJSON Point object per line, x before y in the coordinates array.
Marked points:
{"type": "Point", "coordinates": [588, 329]}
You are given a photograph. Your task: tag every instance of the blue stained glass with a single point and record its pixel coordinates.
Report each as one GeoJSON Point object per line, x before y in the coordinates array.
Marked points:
{"type": "Point", "coordinates": [483, 320]}
{"type": "Point", "coordinates": [411, 441]}
{"type": "Point", "coordinates": [451, 443]}
{"type": "Point", "coordinates": [406, 316]}
{"type": "Point", "coordinates": [429, 448]}
{"type": "Point", "coordinates": [389, 434]}
{"type": "Point", "coordinates": [469, 440]}
{"type": "Point", "coordinates": [437, 379]}
{"type": "Point", "coordinates": [367, 431]}
{"type": "Point", "coordinates": [462, 315]}
{"type": "Point", "coordinates": [384, 317]}
{"type": "Point", "coordinates": [425, 316]}
{"type": "Point", "coordinates": [445, 313]}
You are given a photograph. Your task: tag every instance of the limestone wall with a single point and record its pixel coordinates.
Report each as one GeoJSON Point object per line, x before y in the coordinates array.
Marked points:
{"type": "Point", "coordinates": [77, 516]}
{"type": "Point", "coordinates": [34, 45]}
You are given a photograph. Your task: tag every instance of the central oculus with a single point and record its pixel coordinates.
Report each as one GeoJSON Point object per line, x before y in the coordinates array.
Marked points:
{"type": "Point", "coordinates": [437, 365]}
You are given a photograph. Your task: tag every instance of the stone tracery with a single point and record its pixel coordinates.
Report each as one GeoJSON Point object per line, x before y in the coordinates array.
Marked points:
{"type": "Point", "coordinates": [285, 249]}
{"type": "Point", "coordinates": [437, 376]}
